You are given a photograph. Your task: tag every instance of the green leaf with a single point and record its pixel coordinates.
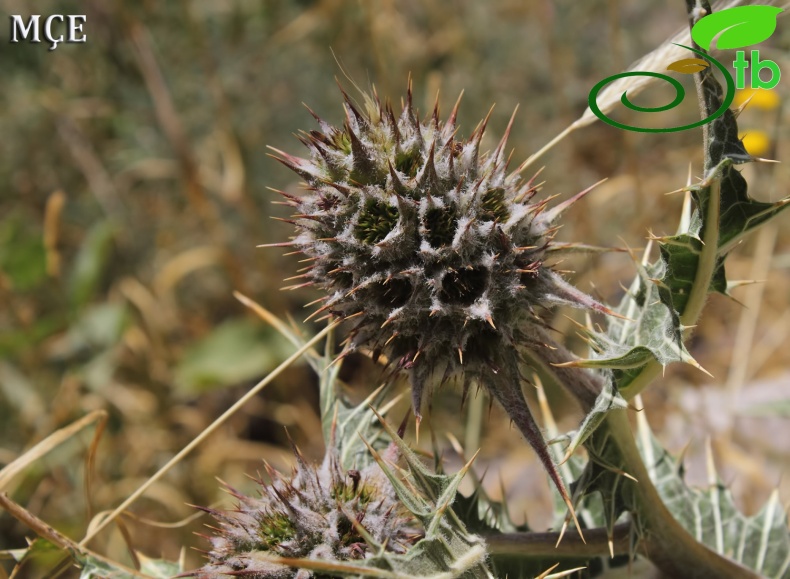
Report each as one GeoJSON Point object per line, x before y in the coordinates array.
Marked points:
{"type": "Point", "coordinates": [97, 327]}
{"type": "Point", "coordinates": [34, 560]}
{"type": "Point", "coordinates": [22, 254]}
{"type": "Point", "coordinates": [602, 489]}
{"type": "Point", "coordinates": [91, 568]}
{"type": "Point", "coordinates": [736, 27]}
{"type": "Point", "coordinates": [16, 340]}
{"type": "Point", "coordinates": [235, 351]}
{"type": "Point", "coordinates": [18, 394]}
{"type": "Point", "coordinates": [90, 263]}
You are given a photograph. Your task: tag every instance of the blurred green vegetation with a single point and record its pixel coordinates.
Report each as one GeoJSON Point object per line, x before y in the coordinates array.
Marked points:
{"type": "Point", "coordinates": [133, 193]}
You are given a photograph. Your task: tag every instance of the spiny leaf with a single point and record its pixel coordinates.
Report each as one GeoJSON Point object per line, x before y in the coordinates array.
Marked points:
{"type": "Point", "coordinates": [448, 549]}
{"type": "Point", "coordinates": [92, 568]}
{"type": "Point", "coordinates": [608, 400]}
{"type": "Point", "coordinates": [432, 485]}
{"type": "Point", "coordinates": [649, 329]}
{"type": "Point", "coordinates": [740, 214]}
{"type": "Point", "coordinates": [346, 425]}
{"type": "Point", "coordinates": [760, 542]}
{"type": "Point", "coordinates": [482, 514]}
{"type": "Point", "coordinates": [604, 488]}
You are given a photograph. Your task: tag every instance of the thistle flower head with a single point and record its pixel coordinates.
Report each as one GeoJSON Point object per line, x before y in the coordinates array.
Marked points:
{"type": "Point", "coordinates": [319, 513]}
{"type": "Point", "coordinates": [434, 251]}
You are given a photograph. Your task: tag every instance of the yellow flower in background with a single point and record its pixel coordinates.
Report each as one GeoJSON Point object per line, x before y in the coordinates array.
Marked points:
{"type": "Point", "coordinates": [757, 143]}
{"type": "Point", "coordinates": [760, 98]}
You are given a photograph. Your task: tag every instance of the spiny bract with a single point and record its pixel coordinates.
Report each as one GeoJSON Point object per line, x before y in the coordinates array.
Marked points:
{"type": "Point", "coordinates": [320, 513]}
{"type": "Point", "coordinates": [434, 251]}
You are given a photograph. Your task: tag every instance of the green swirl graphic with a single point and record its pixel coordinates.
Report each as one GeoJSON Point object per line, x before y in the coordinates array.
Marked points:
{"type": "Point", "coordinates": [680, 94]}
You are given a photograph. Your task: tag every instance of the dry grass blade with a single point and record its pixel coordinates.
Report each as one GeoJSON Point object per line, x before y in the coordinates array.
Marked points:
{"type": "Point", "coordinates": [91, 462]}
{"type": "Point", "coordinates": [174, 525]}
{"type": "Point", "coordinates": [271, 319]}
{"type": "Point", "coordinates": [207, 432]}
{"type": "Point", "coordinates": [89, 162]}
{"type": "Point", "coordinates": [11, 470]}
{"type": "Point", "coordinates": [747, 325]}
{"type": "Point", "coordinates": [52, 224]}
{"type": "Point", "coordinates": [47, 532]}
{"type": "Point", "coordinates": [168, 117]}
{"type": "Point", "coordinates": [182, 264]}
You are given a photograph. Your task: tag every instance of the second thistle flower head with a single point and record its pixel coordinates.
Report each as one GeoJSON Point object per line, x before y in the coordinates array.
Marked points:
{"type": "Point", "coordinates": [322, 513]}
{"type": "Point", "coordinates": [434, 251]}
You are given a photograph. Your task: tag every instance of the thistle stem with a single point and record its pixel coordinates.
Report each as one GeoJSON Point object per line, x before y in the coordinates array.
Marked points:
{"type": "Point", "coordinates": [662, 539]}
{"type": "Point", "coordinates": [666, 543]}
{"type": "Point", "coordinates": [539, 545]}
{"type": "Point", "coordinates": [474, 422]}
{"type": "Point", "coordinates": [709, 253]}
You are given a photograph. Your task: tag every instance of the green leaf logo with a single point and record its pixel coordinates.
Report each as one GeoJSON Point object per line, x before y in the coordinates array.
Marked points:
{"type": "Point", "coordinates": [736, 27]}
